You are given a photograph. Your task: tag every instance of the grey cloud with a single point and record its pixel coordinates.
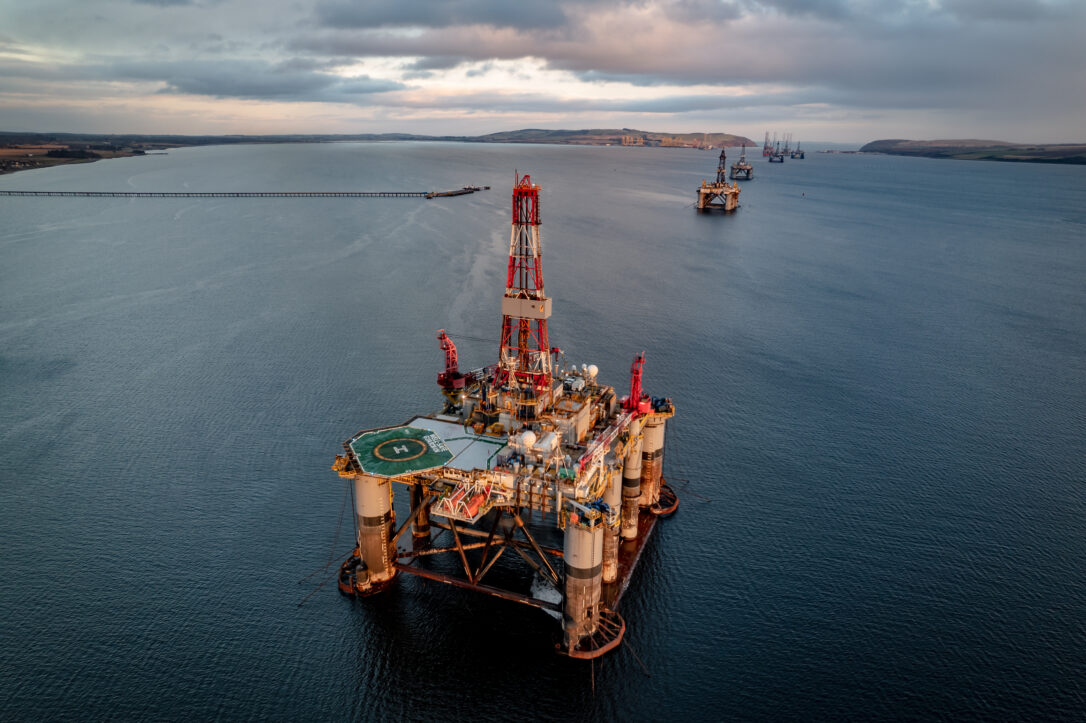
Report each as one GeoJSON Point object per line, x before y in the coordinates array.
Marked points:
{"type": "Point", "coordinates": [480, 71]}
{"type": "Point", "coordinates": [854, 55]}
{"type": "Point", "coordinates": [707, 10]}
{"type": "Point", "coordinates": [440, 13]}
{"type": "Point", "coordinates": [688, 103]}
{"type": "Point", "coordinates": [307, 64]}
{"type": "Point", "coordinates": [424, 68]}
{"type": "Point", "coordinates": [829, 9]}
{"type": "Point", "coordinates": [252, 80]}
{"type": "Point", "coordinates": [220, 79]}
{"type": "Point", "coordinates": [363, 85]}
{"type": "Point", "coordinates": [12, 69]}
{"type": "Point", "coordinates": [550, 104]}
{"type": "Point", "coordinates": [507, 102]}
{"type": "Point", "coordinates": [438, 62]}
{"type": "Point", "coordinates": [806, 97]}
{"type": "Point", "coordinates": [1007, 10]}
{"type": "Point", "coordinates": [844, 56]}
{"type": "Point", "coordinates": [641, 80]}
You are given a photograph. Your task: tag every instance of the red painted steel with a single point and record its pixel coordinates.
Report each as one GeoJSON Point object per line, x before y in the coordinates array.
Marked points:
{"type": "Point", "coordinates": [633, 402]}
{"type": "Point", "coordinates": [451, 378]}
{"type": "Point", "coordinates": [524, 350]}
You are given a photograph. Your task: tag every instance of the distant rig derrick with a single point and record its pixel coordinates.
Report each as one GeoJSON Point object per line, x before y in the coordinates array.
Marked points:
{"type": "Point", "coordinates": [528, 457]}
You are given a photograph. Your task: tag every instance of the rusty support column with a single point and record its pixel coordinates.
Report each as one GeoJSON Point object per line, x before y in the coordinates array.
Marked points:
{"type": "Point", "coordinates": [652, 460]}
{"type": "Point", "coordinates": [631, 482]}
{"type": "Point", "coordinates": [584, 572]}
{"type": "Point", "coordinates": [420, 532]}
{"type": "Point", "coordinates": [373, 510]}
{"type": "Point", "coordinates": [612, 495]}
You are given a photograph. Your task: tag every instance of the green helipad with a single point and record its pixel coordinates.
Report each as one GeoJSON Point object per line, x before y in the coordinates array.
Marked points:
{"type": "Point", "coordinates": [400, 450]}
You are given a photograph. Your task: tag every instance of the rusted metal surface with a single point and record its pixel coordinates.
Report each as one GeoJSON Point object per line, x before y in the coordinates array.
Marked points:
{"type": "Point", "coordinates": [536, 547]}
{"type": "Point", "coordinates": [423, 502]}
{"type": "Point", "coordinates": [460, 549]}
{"type": "Point", "coordinates": [489, 541]}
{"type": "Point", "coordinates": [468, 531]}
{"type": "Point", "coordinates": [629, 552]}
{"type": "Point", "coordinates": [480, 573]}
{"type": "Point", "coordinates": [610, 629]}
{"type": "Point", "coordinates": [352, 583]}
{"type": "Point", "coordinates": [496, 592]}
{"type": "Point", "coordinates": [408, 554]}
{"type": "Point", "coordinates": [668, 503]}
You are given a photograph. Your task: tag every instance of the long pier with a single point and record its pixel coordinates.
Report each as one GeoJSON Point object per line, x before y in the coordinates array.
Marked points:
{"type": "Point", "coordinates": [250, 194]}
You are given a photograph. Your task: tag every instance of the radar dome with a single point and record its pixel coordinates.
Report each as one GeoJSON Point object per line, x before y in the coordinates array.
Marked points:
{"type": "Point", "coordinates": [593, 370]}
{"type": "Point", "coordinates": [527, 438]}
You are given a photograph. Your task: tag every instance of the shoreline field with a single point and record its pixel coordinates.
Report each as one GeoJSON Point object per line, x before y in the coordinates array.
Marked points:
{"type": "Point", "coordinates": [983, 150]}
{"type": "Point", "coordinates": [25, 157]}
{"type": "Point", "coordinates": [25, 151]}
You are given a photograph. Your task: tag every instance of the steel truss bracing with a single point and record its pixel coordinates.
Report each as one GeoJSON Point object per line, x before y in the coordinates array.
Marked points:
{"type": "Point", "coordinates": [499, 538]}
{"type": "Point", "coordinates": [722, 168]}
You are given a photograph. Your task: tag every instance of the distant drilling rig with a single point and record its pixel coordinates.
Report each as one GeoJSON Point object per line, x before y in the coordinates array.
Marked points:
{"type": "Point", "coordinates": [741, 169]}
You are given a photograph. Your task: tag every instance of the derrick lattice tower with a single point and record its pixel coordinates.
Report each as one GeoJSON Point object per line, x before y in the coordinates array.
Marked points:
{"type": "Point", "coordinates": [722, 168]}
{"type": "Point", "coordinates": [524, 360]}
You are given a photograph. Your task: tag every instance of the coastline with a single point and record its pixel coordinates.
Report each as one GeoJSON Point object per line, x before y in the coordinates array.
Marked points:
{"type": "Point", "coordinates": [26, 151]}
{"type": "Point", "coordinates": [27, 157]}
{"type": "Point", "coordinates": [973, 150]}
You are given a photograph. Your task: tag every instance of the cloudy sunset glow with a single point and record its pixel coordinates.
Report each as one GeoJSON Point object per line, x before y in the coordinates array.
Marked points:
{"type": "Point", "coordinates": [832, 70]}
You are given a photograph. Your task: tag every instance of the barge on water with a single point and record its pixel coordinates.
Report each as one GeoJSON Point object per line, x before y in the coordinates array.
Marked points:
{"type": "Point", "coordinates": [529, 458]}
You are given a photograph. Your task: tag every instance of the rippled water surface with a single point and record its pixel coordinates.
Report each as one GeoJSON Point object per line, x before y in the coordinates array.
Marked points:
{"type": "Point", "coordinates": [879, 366]}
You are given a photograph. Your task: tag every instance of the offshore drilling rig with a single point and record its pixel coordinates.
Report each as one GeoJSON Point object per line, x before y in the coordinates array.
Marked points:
{"type": "Point", "coordinates": [741, 170]}
{"type": "Point", "coordinates": [718, 194]}
{"type": "Point", "coordinates": [526, 456]}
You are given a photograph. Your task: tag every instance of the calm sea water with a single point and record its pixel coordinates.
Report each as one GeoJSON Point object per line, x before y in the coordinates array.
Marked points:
{"type": "Point", "coordinates": [879, 366]}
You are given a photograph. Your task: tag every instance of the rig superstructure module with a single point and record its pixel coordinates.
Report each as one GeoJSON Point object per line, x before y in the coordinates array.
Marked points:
{"type": "Point", "coordinates": [526, 457]}
{"type": "Point", "coordinates": [719, 194]}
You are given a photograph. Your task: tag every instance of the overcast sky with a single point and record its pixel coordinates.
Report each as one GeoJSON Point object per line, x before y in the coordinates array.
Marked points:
{"type": "Point", "coordinates": [824, 70]}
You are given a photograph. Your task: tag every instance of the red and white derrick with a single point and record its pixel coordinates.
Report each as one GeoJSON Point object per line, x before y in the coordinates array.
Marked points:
{"type": "Point", "coordinates": [524, 360]}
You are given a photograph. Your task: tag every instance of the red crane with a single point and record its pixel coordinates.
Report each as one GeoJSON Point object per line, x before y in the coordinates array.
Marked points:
{"type": "Point", "coordinates": [638, 402]}
{"type": "Point", "coordinates": [451, 378]}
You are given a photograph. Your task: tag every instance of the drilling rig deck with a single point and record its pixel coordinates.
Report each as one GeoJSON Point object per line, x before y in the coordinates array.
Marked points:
{"type": "Point", "coordinates": [528, 456]}
{"type": "Point", "coordinates": [718, 194]}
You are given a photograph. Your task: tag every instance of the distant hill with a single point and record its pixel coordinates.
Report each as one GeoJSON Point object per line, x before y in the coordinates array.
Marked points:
{"type": "Point", "coordinates": [591, 136]}
{"type": "Point", "coordinates": [982, 150]}
{"type": "Point", "coordinates": [614, 137]}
